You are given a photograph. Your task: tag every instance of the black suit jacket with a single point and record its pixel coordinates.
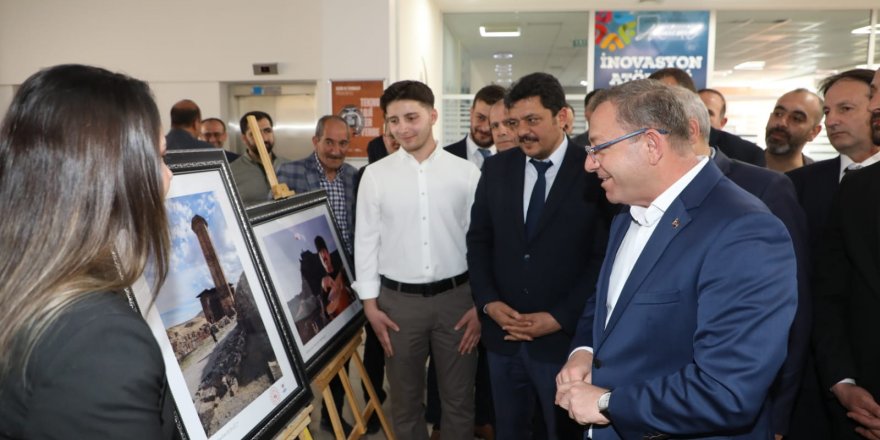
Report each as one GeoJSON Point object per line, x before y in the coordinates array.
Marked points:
{"type": "Point", "coordinates": [816, 185]}
{"type": "Point", "coordinates": [459, 148]}
{"type": "Point", "coordinates": [737, 148]}
{"type": "Point", "coordinates": [376, 149]}
{"type": "Point", "coordinates": [846, 287]}
{"type": "Point", "coordinates": [556, 271]}
{"type": "Point", "coordinates": [179, 139]}
{"type": "Point", "coordinates": [778, 193]}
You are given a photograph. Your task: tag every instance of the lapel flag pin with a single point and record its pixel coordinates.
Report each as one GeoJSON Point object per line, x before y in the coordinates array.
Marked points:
{"type": "Point", "coordinates": [675, 223]}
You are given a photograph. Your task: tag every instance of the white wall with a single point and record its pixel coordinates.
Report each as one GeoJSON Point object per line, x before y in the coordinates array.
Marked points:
{"type": "Point", "coordinates": [188, 49]}
{"type": "Point", "coordinates": [420, 48]}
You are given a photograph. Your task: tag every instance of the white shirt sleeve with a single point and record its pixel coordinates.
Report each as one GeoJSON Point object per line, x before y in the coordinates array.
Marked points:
{"type": "Point", "coordinates": [366, 238]}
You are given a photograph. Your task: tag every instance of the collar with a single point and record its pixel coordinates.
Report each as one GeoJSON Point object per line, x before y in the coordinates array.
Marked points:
{"type": "Point", "coordinates": [559, 153]}
{"type": "Point", "coordinates": [845, 161]}
{"type": "Point", "coordinates": [651, 215]}
{"type": "Point", "coordinates": [472, 146]}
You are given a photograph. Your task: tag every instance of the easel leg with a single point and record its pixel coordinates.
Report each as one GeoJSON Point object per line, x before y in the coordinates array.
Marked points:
{"type": "Point", "coordinates": [330, 405]}
{"type": "Point", "coordinates": [373, 403]}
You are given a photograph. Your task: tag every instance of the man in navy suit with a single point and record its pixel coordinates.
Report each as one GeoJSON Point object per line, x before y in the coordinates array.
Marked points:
{"type": "Point", "coordinates": [186, 126]}
{"type": "Point", "coordinates": [730, 144]}
{"type": "Point", "coordinates": [534, 249]}
{"type": "Point", "coordinates": [477, 145]}
{"type": "Point", "coordinates": [777, 192]}
{"type": "Point", "coordinates": [696, 296]}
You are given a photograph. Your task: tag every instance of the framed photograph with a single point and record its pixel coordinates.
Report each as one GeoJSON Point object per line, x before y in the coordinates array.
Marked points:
{"type": "Point", "coordinates": [311, 270]}
{"type": "Point", "coordinates": [232, 367]}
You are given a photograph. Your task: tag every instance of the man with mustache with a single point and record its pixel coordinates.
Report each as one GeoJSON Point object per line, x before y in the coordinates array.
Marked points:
{"type": "Point", "coordinates": [326, 169]}
{"type": "Point", "coordinates": [247, 170]}
{"type": "Point", "coordinates": [534, 248]}
{"type": "Point", "coordinates": [846, 287]}
{"type": "Point", "coordinates": [477, 145]}
{"type": "Point", "coordinates": [796, 119]}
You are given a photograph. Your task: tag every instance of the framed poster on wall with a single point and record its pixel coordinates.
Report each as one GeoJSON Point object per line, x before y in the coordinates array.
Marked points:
{"type": "Point", "coordinates": [358, 103]}
{"type": "Point", "coordinates": [232, 368]}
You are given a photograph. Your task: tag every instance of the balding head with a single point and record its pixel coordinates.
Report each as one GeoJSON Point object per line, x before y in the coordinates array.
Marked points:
{"type": "Point", "coordinates": [186, 115]}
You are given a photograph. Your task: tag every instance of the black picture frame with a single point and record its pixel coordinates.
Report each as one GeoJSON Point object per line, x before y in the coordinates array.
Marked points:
{"type": "Point", "coordinates": [233, 369]}
{"type": "Point", "coordinates": [286, 232]}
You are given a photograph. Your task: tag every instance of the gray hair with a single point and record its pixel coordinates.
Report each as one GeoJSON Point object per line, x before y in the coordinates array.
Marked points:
{"type": "Point", "coordinates": [694, 108]}
{"type": "Point", "coordinates": [648, 103]}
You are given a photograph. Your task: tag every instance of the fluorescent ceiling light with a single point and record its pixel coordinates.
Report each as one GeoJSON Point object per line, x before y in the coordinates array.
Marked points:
{"type": "Point", "coordinates": [584, 83]}
{"type": "Point", "coordinates": [503, 55]}
{"type": "Point", "coordinates": [865, 30]}
{"type": "Point", "coordinates": [500, 30]}
{"type": "Point", "coordinates": [750, 65]}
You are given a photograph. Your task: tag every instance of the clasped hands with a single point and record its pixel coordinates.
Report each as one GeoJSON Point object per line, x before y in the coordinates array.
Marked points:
{"type": "Point", "coordinates": [521, 326]}
{"type": "Point", "coordinates": [576, 394]}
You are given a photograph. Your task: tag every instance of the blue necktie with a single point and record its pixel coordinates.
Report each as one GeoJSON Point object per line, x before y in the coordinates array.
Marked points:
{"type": "Point", "coordinates": [536, 202]}
{"type": "Point", "coordinates": [485, 152]}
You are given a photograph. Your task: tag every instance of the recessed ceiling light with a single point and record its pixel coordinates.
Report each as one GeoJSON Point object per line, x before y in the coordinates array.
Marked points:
{"type": "Point", "coordinates": [500, 30]}
{"type": "Point", "coordinates": [503, 55]}
{"type": "Point", "coordinates": [750, 65]}
{"type": "Point", "coordinates": [584, 83]}
{"type": "Point", "coordinates": [865, 30]}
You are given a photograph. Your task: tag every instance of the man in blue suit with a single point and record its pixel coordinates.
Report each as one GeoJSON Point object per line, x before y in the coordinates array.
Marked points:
{"type": "Point", "coordinates": [696, 296]}
{"type": "Point", "coordinates": [535, 245]}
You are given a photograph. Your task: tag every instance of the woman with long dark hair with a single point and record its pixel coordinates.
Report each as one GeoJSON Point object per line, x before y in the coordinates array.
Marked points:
{"type": "Point", "coordinates": [82, 186]}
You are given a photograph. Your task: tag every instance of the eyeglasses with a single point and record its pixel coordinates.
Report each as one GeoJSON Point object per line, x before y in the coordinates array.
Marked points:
{"type": "Point", "coordinates": [591, 151]}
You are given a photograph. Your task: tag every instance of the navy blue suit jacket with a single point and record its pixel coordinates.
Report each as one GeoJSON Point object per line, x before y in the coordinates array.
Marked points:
{"type": "Point", "coordinates": [777, 192]}
{"type": "Point", "coordinates": [180, 139]}
{"type": "Point", "coordinates": [556, 271]}
{"type": "Point", "coordinates": [459, 148]}
{"type": "Point", "coordinates": [737, 148]}
{"type": "Point", "coordinates": [700, 329]}
{"type": "Point", "coordinates": [816, 185]}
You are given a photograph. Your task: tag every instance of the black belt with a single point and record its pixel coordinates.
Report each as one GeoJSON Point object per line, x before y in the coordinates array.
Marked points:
{"type": "Point", "coordinates": [427, 289]}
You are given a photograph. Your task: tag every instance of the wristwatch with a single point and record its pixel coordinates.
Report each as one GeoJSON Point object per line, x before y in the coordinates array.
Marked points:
{"type": "Point", "coordinates": [604, 401]}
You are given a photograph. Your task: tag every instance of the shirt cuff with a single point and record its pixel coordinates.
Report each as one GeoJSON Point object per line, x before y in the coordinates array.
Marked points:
{"type": "Point", "coordinates": [847, 380]}
{"type": "Point", "coordinates": [367, 289]}
{"type": "Point", "coordinates": [589, 349]}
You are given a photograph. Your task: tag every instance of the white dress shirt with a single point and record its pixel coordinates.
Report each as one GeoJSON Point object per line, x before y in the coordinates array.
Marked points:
{"type": "Point", "coordinates": [846, 162]}
{"type": "Point", "coordinates": [412, 218]}
{"type": "Point", "coordinates": [531, 175]}
{"type": "Point", "coordinates": [475, 156]}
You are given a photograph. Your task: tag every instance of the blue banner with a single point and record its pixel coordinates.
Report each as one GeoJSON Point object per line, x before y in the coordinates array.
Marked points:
{"type": "Point", "coordinates": [632, 45]}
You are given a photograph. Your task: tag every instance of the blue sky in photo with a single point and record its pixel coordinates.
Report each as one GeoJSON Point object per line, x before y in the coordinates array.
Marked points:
{"type": "Point", "coordinates": [284, 248]}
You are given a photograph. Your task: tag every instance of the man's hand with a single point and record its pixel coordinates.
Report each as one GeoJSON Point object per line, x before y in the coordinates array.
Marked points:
{"type": "Point", "coordinates": [381, 323]}
{"type": "Point", "coordinates": [471, 336]}
{"type": "Point", "coordinates": [502, 313]}
{"type": "Point", "coordinates": [581, 400]}
{"type": "Point", "coordinates": [530, 326]}
{"type": "Point", "coordinates": [579, 368]}
{"type": "Point", "coordinates": [861, 407]}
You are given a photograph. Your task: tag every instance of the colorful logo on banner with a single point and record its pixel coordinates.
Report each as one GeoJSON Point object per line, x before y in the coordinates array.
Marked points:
{"type": "Point", "coordinates": [632, 45]}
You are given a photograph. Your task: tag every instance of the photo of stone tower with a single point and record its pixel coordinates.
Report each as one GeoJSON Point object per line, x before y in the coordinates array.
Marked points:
{"type": "Point", "coordinates": [218, 301]}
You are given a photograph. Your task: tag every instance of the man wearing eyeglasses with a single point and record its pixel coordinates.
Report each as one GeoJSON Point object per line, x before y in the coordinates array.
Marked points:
{"type": "Point", "coordinates": [696, 296]}
{"type": "Point", "coordinates": [535, 244]}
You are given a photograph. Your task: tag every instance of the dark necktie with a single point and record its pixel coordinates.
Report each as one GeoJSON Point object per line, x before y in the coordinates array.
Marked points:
{"type": "Point", "coordinates": [536, 202]}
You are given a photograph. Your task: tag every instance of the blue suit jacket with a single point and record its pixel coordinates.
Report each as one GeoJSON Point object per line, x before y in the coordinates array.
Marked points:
{"type": "Point", "coordinates": [556, 271]}
{"type": "Point", "coordinates": [700, 329]}
{"type": "Point", "coordinates": [778, 193]}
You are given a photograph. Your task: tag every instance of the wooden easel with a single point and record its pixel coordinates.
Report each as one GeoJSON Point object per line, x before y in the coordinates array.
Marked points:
{"type": "Point", "coordinates": [336, 367]}
{"type": "Point", "coordinates": [298, 428]}
{"type": "Point", "coordinates": [279, 190]}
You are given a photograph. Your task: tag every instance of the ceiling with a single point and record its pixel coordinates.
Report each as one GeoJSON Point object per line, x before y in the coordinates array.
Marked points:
{"type": "Point", "coordinates": [799, 46]}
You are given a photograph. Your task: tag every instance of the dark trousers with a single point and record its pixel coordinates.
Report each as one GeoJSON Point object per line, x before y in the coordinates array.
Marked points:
{"type": "Point", "coordinates": [520, 387]}
{"type": "Point", "coordinates": [374, 363]}
{"type": "Point", "coordinates": [484, 412]}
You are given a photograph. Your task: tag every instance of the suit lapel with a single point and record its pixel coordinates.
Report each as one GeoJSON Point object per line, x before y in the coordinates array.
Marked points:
{"type": "Point", "coordinates": [675, 220]}
{"type": "Point", "coordinates": [515, 186]}
{"type": "Point", "coordinates": [568, 171]}
{"type": "Point", "coordinates": [619, 226]}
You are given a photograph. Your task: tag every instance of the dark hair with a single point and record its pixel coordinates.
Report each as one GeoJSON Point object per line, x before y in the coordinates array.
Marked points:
{"type": "Point", "coordinates": [185, 113]}
{"type": "Point", "coordinates": [648, 103]}
{"type": "Point", "coordinates": [489, 94]}
{"type": "Point", "coordinates": [407, 90]}
{"type": "Point", "coordinates": [863, 75]}
{"type": "Point", "coordinates": [717, 93]}
{"type": "Point", "coordinates": [540, 84]}
{"type": "Point", "coordinates": [680, 76]}
{"type": "Point", "coordinates": [319, 127]}
{"type": "Point", "coordinates": [320, 243]}
{"type": "Point", "coordinates": [243, 124]}
{"type": "Point", "coordinates": [82, 194]}
{"type": "Point", "coordinates": [589, 97]}
{"type": "Point", "coordinates": [215, 120]}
